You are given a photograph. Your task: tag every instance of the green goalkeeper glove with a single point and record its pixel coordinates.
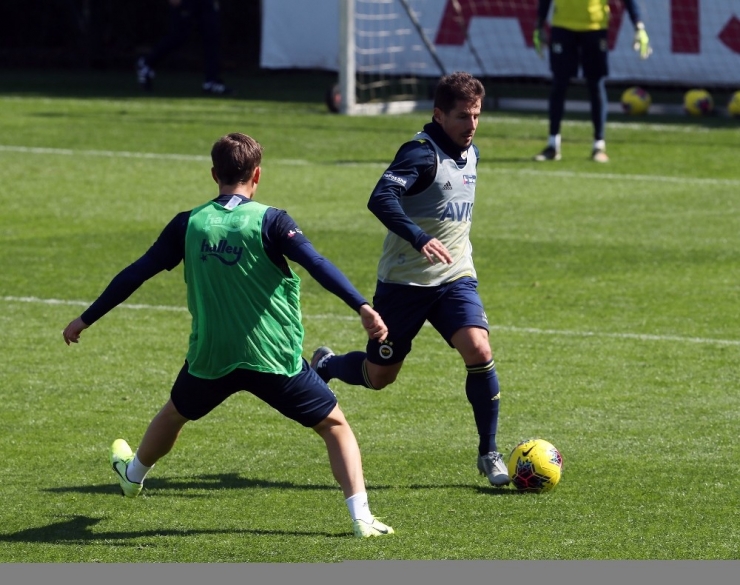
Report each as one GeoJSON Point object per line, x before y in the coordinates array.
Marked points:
{"type": "Point", "coordinates": [642, 42]}
{"type": "Point", "coordinates": [539, 38]}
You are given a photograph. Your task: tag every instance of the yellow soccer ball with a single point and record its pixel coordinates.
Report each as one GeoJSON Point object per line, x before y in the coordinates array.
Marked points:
{"type": "Point", "coordinates": [698, 102]}
{"type": "Point", "coordinates": [636, 101]}
{"type": "Point", "coordinates": [535, 466]}
{"type": "Point", "coordinates": [733, 106]}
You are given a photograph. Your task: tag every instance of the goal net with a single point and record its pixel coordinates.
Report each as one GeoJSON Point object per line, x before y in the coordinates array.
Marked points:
{"type": "Point", "coordinates": [387, 60]}
{"type": "Point", "coordinates": [393, 51]}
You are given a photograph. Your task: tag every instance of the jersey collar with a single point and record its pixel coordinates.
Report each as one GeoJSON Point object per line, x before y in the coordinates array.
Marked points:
{"type": "Point", "coordinates": [441, 139]}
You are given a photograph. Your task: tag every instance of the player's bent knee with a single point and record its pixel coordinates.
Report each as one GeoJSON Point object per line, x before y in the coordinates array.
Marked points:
{"type": "Point", "coordinates": [480, 356]}
{"type": "Point", "coordinates": [380, 380]}
{"type": "Point", "coordinates": [383, 383]}
{"type": "Point", "coordinates": [333, 419]}
{"type": "Point", "coordinates": [378, 376]}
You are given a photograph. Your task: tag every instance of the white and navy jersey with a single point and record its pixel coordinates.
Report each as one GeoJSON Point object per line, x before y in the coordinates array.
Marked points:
{"type": "Point", "coordinates": [433, 187]}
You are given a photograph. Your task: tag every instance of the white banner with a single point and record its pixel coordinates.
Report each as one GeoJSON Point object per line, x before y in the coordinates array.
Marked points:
{"type": "Point", "coordinates": [694, 41]}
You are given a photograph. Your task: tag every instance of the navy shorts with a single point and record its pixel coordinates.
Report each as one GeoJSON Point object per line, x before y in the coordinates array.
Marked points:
{"type": "Point", "coordinates": [571, 49]}
{"type": "Point", "coordinates": [405, 308]}
{"type": "Point", "coordinates": [304, 398]}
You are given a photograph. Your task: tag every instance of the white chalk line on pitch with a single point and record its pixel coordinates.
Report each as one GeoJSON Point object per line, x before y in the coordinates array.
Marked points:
{"type": "Point", "coordinates": [302, 162]}
{"type": "Point", "coordinates": [532, 330]}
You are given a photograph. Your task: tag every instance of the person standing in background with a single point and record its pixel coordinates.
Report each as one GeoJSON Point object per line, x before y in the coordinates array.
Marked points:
{"type": "Point", "coordinates": [184, 15]}
{"type": "Point", "coordinates": [578, 39]}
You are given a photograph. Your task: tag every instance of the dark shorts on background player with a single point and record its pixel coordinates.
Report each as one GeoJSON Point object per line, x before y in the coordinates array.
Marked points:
{"type": "Point", "coordinates": [569, 49]}
{"type": "Point", "coordinates": [305, 398]}
{"type": "Point", "coordinates": [405, 308]}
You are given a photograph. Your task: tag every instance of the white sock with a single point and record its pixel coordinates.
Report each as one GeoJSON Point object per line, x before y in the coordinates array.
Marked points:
{"type": "Point", "coordinates": [599, 145]}
{"type": "Point", "coordinates": [358, 507]}
{"type": "Point", "coordinates": [136, 471]}
{"type": "Point", "coordinates": [554, 141]}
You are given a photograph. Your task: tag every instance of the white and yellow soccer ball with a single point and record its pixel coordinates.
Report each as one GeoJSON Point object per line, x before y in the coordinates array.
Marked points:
{"type": "Point", "coordinates": [733, 106]}
{"type": "Point", "coordinates": [698, 102]}
{"type": "Point", "coordinates": [636, 101]}
{"type": "Point", "coordinates": [535, 466]}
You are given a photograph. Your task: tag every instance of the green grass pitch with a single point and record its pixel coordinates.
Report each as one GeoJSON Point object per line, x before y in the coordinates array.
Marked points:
{"type": "Point", "coordinates": [612, 292]}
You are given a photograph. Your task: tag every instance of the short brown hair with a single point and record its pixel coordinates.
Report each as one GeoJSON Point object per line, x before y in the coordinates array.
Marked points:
{"type": "Point", "coordinates": [458, 86]}
{"type": "Point", "coordinates": [235, 157]}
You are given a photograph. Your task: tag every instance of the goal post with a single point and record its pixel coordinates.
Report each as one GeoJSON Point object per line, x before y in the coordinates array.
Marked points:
{"type": "Point", "coordinates": [387, 61]}
{"type": "Point", "coordinates": [392, 52]}
{"type": "Point", "coordinates": [347, 69]}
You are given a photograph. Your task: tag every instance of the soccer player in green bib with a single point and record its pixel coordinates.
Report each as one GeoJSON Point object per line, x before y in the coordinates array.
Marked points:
{"type": "Point", "coordinates": [246, 323]}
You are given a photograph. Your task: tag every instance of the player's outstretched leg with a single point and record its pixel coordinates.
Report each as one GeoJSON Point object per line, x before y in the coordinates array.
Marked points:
{"type": "Point", "coordinates": [346, 466]}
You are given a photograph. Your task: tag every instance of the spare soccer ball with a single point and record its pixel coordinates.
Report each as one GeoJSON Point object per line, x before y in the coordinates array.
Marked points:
{"type": "Point", "coordinates": [733, 106]}
{"type": "Point", "coordinates": [535, 466]}
{"type": "Point", "coordinates": [698, 102]}
{"type": "Point", "coordinates": [333, 98]}
{"type": "Point", "coordinates": [636, 101]}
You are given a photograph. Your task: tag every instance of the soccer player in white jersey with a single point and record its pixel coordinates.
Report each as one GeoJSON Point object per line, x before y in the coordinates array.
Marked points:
{"type": "Point", "coordinates": [425, 198]}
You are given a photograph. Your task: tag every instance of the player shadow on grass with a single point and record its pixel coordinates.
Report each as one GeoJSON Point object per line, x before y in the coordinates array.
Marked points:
{"type": "Point", "coordinates": [198, 486]}
{"type": "Point", "coordinates": [487, 490]}
{"type": "Point", "coordinates": [78, 530]}
{"type": "Point", "coordinates": [185, 486]}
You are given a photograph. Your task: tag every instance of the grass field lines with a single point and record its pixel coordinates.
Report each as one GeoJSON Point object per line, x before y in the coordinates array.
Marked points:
{"type": "Point", "coordinates": [526, 172]}
{"type": "Point", "coordinates": [534, 331]}
{"type": "Point", "coordinates": [611, 293]}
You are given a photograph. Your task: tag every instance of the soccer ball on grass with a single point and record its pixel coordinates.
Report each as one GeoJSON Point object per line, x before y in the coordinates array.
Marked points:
{"type": "Point", "coordinates": [535, 466]}
{"type": "Point", "coordinates": [698, 102]}
{"type": "Point", "coordinates": [733, 106]}
{"type": "Point", "coordinates": [635, 101]}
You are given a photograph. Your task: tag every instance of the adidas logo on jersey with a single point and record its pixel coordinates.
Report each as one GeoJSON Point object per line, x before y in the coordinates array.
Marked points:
{"type": "Point", "coordinates": [447, 186]}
